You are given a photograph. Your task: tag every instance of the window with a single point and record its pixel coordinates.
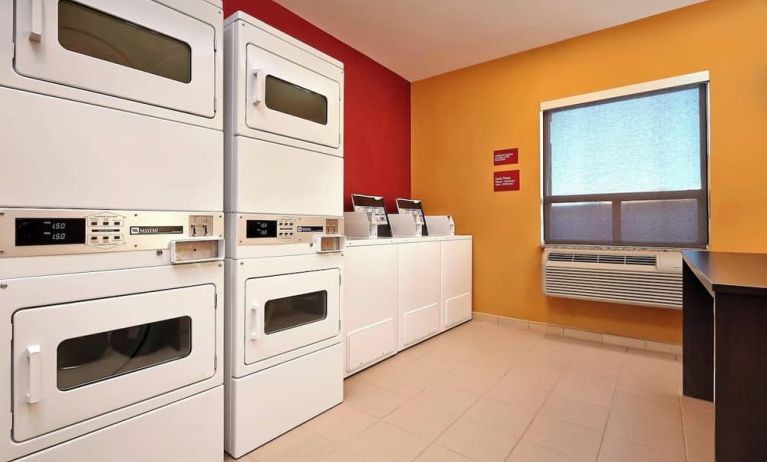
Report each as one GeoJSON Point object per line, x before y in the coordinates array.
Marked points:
{"type": "Point", "coordinates": [99, 35]}
{"type": "Point", "coordinates": [628, 171]}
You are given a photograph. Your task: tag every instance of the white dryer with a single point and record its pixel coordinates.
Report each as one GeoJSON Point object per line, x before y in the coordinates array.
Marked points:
{"type": "Point", "coordinates": [284, 123]}
{"type": "Point", "coordinates": [284, 353]}
{"type": "Point", "coordinates": [114, 345]}
{"type": "Point", "coordinates": [112, 104]}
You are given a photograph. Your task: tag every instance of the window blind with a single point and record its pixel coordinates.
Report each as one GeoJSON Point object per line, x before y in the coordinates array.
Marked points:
{"type": "Point", "coordinates": [628, 171]}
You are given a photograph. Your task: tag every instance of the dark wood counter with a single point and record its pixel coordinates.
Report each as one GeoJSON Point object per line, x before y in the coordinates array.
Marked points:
{"type": "Point", "coordinates": [725, 347]}
{"type": "Point", "coordinates": [722, 272]}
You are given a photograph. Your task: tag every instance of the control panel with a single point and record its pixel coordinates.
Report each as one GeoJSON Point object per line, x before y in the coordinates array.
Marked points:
{"type": "Point", "coordinates": [279, 229]}
{"type": "Point", "coordinates": [35, 232]}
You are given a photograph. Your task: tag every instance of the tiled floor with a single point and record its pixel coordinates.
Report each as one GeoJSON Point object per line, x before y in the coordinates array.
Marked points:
{"type": "Point", "coordinates": [483, 392]}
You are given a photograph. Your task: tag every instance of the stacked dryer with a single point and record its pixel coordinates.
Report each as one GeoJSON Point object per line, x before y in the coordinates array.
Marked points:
{"type": "Point", "coordinates": [284, 175]}
{"type": "Point", "coordinates": [111, 230]}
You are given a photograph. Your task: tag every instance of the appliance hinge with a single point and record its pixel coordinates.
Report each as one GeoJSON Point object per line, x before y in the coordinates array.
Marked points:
{"type": "Point", "coordinates": [13, 51]}
{"type": "Point", "coordinates": [215, 363]}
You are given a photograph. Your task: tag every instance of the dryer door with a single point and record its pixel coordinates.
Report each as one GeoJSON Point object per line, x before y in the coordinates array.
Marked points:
{"type": "Point", "coordinates": [290, 99]}
{"type": "Point", "coordinates": [138, 50]}
{"type": "Point", "coordinates": [79, 360]}
{"type": "Point", "coordinates": [290, 311]}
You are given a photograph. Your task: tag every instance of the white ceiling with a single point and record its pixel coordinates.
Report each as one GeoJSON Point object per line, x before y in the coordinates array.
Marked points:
{"type": "Point", "coordinates": [422, 38]}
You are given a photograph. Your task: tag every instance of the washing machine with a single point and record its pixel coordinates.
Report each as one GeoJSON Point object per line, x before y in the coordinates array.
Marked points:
{"type": "Point", "coordinates": [112, 104]}
{"type": "Point", "coordinates": [113, 350]}
{"type": "Point", "coordinates": [284, 352]}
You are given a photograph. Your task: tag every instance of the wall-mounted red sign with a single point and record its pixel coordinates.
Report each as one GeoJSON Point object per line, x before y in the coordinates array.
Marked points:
{"type": "Point", "coordinates": [506, 181]}
{"type": "Point", "coordinates": [506, 156]}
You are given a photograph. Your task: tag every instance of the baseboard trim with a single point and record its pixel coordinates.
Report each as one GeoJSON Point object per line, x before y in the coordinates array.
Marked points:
{"type": "Point", "coordinates": [582, 334]}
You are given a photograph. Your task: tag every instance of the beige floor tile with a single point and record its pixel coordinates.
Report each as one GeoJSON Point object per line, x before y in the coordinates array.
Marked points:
{"type": "Point", "coordinates": [502, 416]}
{"type": "Point", "coordinates": [298, 445]}
{"type": "Point", "coordinates": [476, 379]}
{"type": "Point", "coordinates": [386, 443]}
{"type": "Point", "coordinates": [421, 419]}
{"type": "Point", "coordinates": [437, 453]}
{"type": "Point", "coordinates": [341, 455]}
{"type": "Point", "coordinates": [697, 420]}
{"type": "Point", "coordinates": [478, 441]}
{"type": "Point", "coordinates": [539, 376]}
{"type": "Point", "coordinates": [700, 446]}
{"type": "Point", "coordinates": [575, 411]}
{"type": "Point", "coordinates": [340, 424]}
{"type": "Point", "coordinates": [592, 394]}
{"type": "Point", "coordinates": [509, 392]}
{"type": "Point", "coordinates": [667, 437]}
{"type": "Point", "coordinates": [527, 451]}
{"type": "Point", "coordinates": [407, 382]}
{"type": "Point", "coordinates": [698, 404]}
{"type": "Point", "coordinates": [621, 450]}
{"type": "Point", "coordinates": [374, 400]}
{"type": "Point", "coordinates": [448, 398]}
{"type": "Point", "coordinates": [584, 375]}
{"type": "Point", "coordinates": [659, 410]}
{"type": "Point", "coordinates": [571, 439]}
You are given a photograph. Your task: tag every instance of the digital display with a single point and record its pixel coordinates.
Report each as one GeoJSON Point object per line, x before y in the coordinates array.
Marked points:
{"type": "Point", "coordinates": [49, 231]}
{"type": "Point", "coordinates": [261, 228]}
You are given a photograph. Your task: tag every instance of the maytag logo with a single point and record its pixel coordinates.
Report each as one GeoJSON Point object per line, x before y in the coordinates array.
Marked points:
{"type": "Point", "coordinates": [141, 230]}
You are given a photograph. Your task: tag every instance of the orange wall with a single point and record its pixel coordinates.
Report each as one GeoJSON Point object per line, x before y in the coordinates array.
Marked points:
{"type": "Point", "coordinates": [459, 118]}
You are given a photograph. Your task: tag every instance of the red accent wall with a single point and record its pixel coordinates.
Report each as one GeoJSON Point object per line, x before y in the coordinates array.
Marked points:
{"type": "Point", "coordinates": [376, 106]}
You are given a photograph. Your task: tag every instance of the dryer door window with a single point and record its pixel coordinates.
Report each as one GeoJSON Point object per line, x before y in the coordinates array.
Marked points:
{"type": "Point", "coordinates": [295, 100]}
{"type": "Point", "coordinates": [95, 357]}
{"type": "Point", "coordinates": [295, 311]}
{"type": "Point", "coordinates": [137, 50]}
{"type": "Point", "coordinates": [74, 361]}
{"type": "Point", "coordinates": [93, 33]}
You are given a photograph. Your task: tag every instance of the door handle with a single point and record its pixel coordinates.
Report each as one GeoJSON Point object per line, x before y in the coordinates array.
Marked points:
{"type": "Point", "coordinates": [36, 29]}
{"type": "Point", "coordinates": [255, 331]}
{"type": "Point", "coordinates": [259, 86]}
{"type": "Point", "coordinates": [33, 356]}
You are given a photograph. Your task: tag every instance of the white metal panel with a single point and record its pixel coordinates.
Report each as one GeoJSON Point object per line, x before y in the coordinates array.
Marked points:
{"type": "Point", "coordinates": [117, 160]}
{"type": "Point", "coordinates": [370, 285]}
{"type": "Point", "coordinates": [190, 430]}
{"type": "Point", "coordinates": [46, 59]}
{"type": "Point", "coordinates": [262, 63]}
{"type": "Point", "coordinates": [259, 291]}
{"type": "Point", "coordinates": [273, 178]}
{"type": "Point", "coordinates": [46, 327]}
{"type": "Point", "coordinates": [268, 403]}
{"type": "Point", "coordinates": [456, 281]}
{"type": "Point", "coordinates": [419, 291]}
{"type": "Point", "coordinates": [370, 344]}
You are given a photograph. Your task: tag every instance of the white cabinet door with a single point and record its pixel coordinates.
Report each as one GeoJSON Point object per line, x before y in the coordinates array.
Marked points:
{"type": "Point", "coordinates": [456, 282]}
{"type": "Point", "coordinates": [370, 304]}
{"type": "Point", "coordinates": [290, 311]}
{"type": "Point", "coordinates": [419, 291]}
{"type": "Point", "coordinates": [75, 361]}
{"type": "Point", "coordinates": [138, 50]}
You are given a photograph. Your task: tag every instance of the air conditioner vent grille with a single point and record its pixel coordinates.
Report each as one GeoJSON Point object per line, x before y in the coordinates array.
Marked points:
{"type": "Point", "coordinates": [622, 278]}
{"type": "Point", "coordinates": [612, 259]}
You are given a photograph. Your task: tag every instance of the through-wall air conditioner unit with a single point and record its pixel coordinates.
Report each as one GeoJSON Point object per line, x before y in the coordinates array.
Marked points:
{"type": "Point", "coordinates": [649, 278]}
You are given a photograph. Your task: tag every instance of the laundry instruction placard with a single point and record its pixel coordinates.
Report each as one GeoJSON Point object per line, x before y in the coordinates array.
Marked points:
{"type": "Point", "coordinates": [506, 181]}
{"type": "Point", "coordinates": [506, 156]}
